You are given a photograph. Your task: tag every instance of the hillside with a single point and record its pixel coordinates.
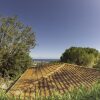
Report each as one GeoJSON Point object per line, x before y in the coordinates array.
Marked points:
{"type": "Point", "coordinates": [43, 81]}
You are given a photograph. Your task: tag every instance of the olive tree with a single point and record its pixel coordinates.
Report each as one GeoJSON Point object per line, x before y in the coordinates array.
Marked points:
{"type": "Point", "coordinates": [16, 40]}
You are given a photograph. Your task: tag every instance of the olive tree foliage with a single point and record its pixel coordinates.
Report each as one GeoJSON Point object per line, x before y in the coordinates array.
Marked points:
{"type": "Point", "coordinates": [16, 40]}
{"type": "Point", "coordinates": [81, 56]}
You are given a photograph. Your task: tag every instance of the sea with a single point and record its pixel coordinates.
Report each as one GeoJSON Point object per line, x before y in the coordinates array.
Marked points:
{"type": "Point", "coordinates": [45, 60]}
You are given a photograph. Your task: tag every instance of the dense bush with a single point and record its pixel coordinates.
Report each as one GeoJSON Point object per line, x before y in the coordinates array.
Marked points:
{"type": "Point", "coordinates": [16, 40]}
{"type": "Point", "coordinates": [81, 56]}
{"type": "Point", "coordinates": [97, 66]}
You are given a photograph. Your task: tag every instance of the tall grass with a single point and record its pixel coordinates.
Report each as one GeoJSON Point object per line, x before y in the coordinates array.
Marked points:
{"type": "Point", "coordinates": [81, 93]}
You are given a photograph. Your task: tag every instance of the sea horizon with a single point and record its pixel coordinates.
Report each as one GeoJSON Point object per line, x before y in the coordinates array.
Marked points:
{"type": "Point", "coordinates": [45, 59]}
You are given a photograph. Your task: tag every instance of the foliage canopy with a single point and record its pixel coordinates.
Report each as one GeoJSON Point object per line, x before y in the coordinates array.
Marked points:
{"type": "Point", "coordinates": [16, 40]}
{"type": "Point", "coordinates": [81, 56]}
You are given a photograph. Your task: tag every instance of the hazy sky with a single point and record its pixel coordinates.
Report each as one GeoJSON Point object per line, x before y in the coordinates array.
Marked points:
{"type": "Point", "coordinates": [58, 24]}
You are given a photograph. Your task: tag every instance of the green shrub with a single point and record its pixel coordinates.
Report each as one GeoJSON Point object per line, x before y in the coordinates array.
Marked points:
{"type": "Point", "coordinates": [81, 56]}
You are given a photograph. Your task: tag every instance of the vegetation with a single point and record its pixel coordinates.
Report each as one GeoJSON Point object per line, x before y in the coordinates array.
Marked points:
{"type": "Point", "coordinates": [81, 93]}
{"type": "Point", "coordinates": [81, 56]}
{"type": "Point", "coordinates": [97, 66]}
{"type": "Point", "coordinates": [16, 40]}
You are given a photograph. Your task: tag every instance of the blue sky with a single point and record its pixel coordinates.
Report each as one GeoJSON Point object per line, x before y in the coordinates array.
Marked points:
{"type": "Point", "coordinates": [59, 24]}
